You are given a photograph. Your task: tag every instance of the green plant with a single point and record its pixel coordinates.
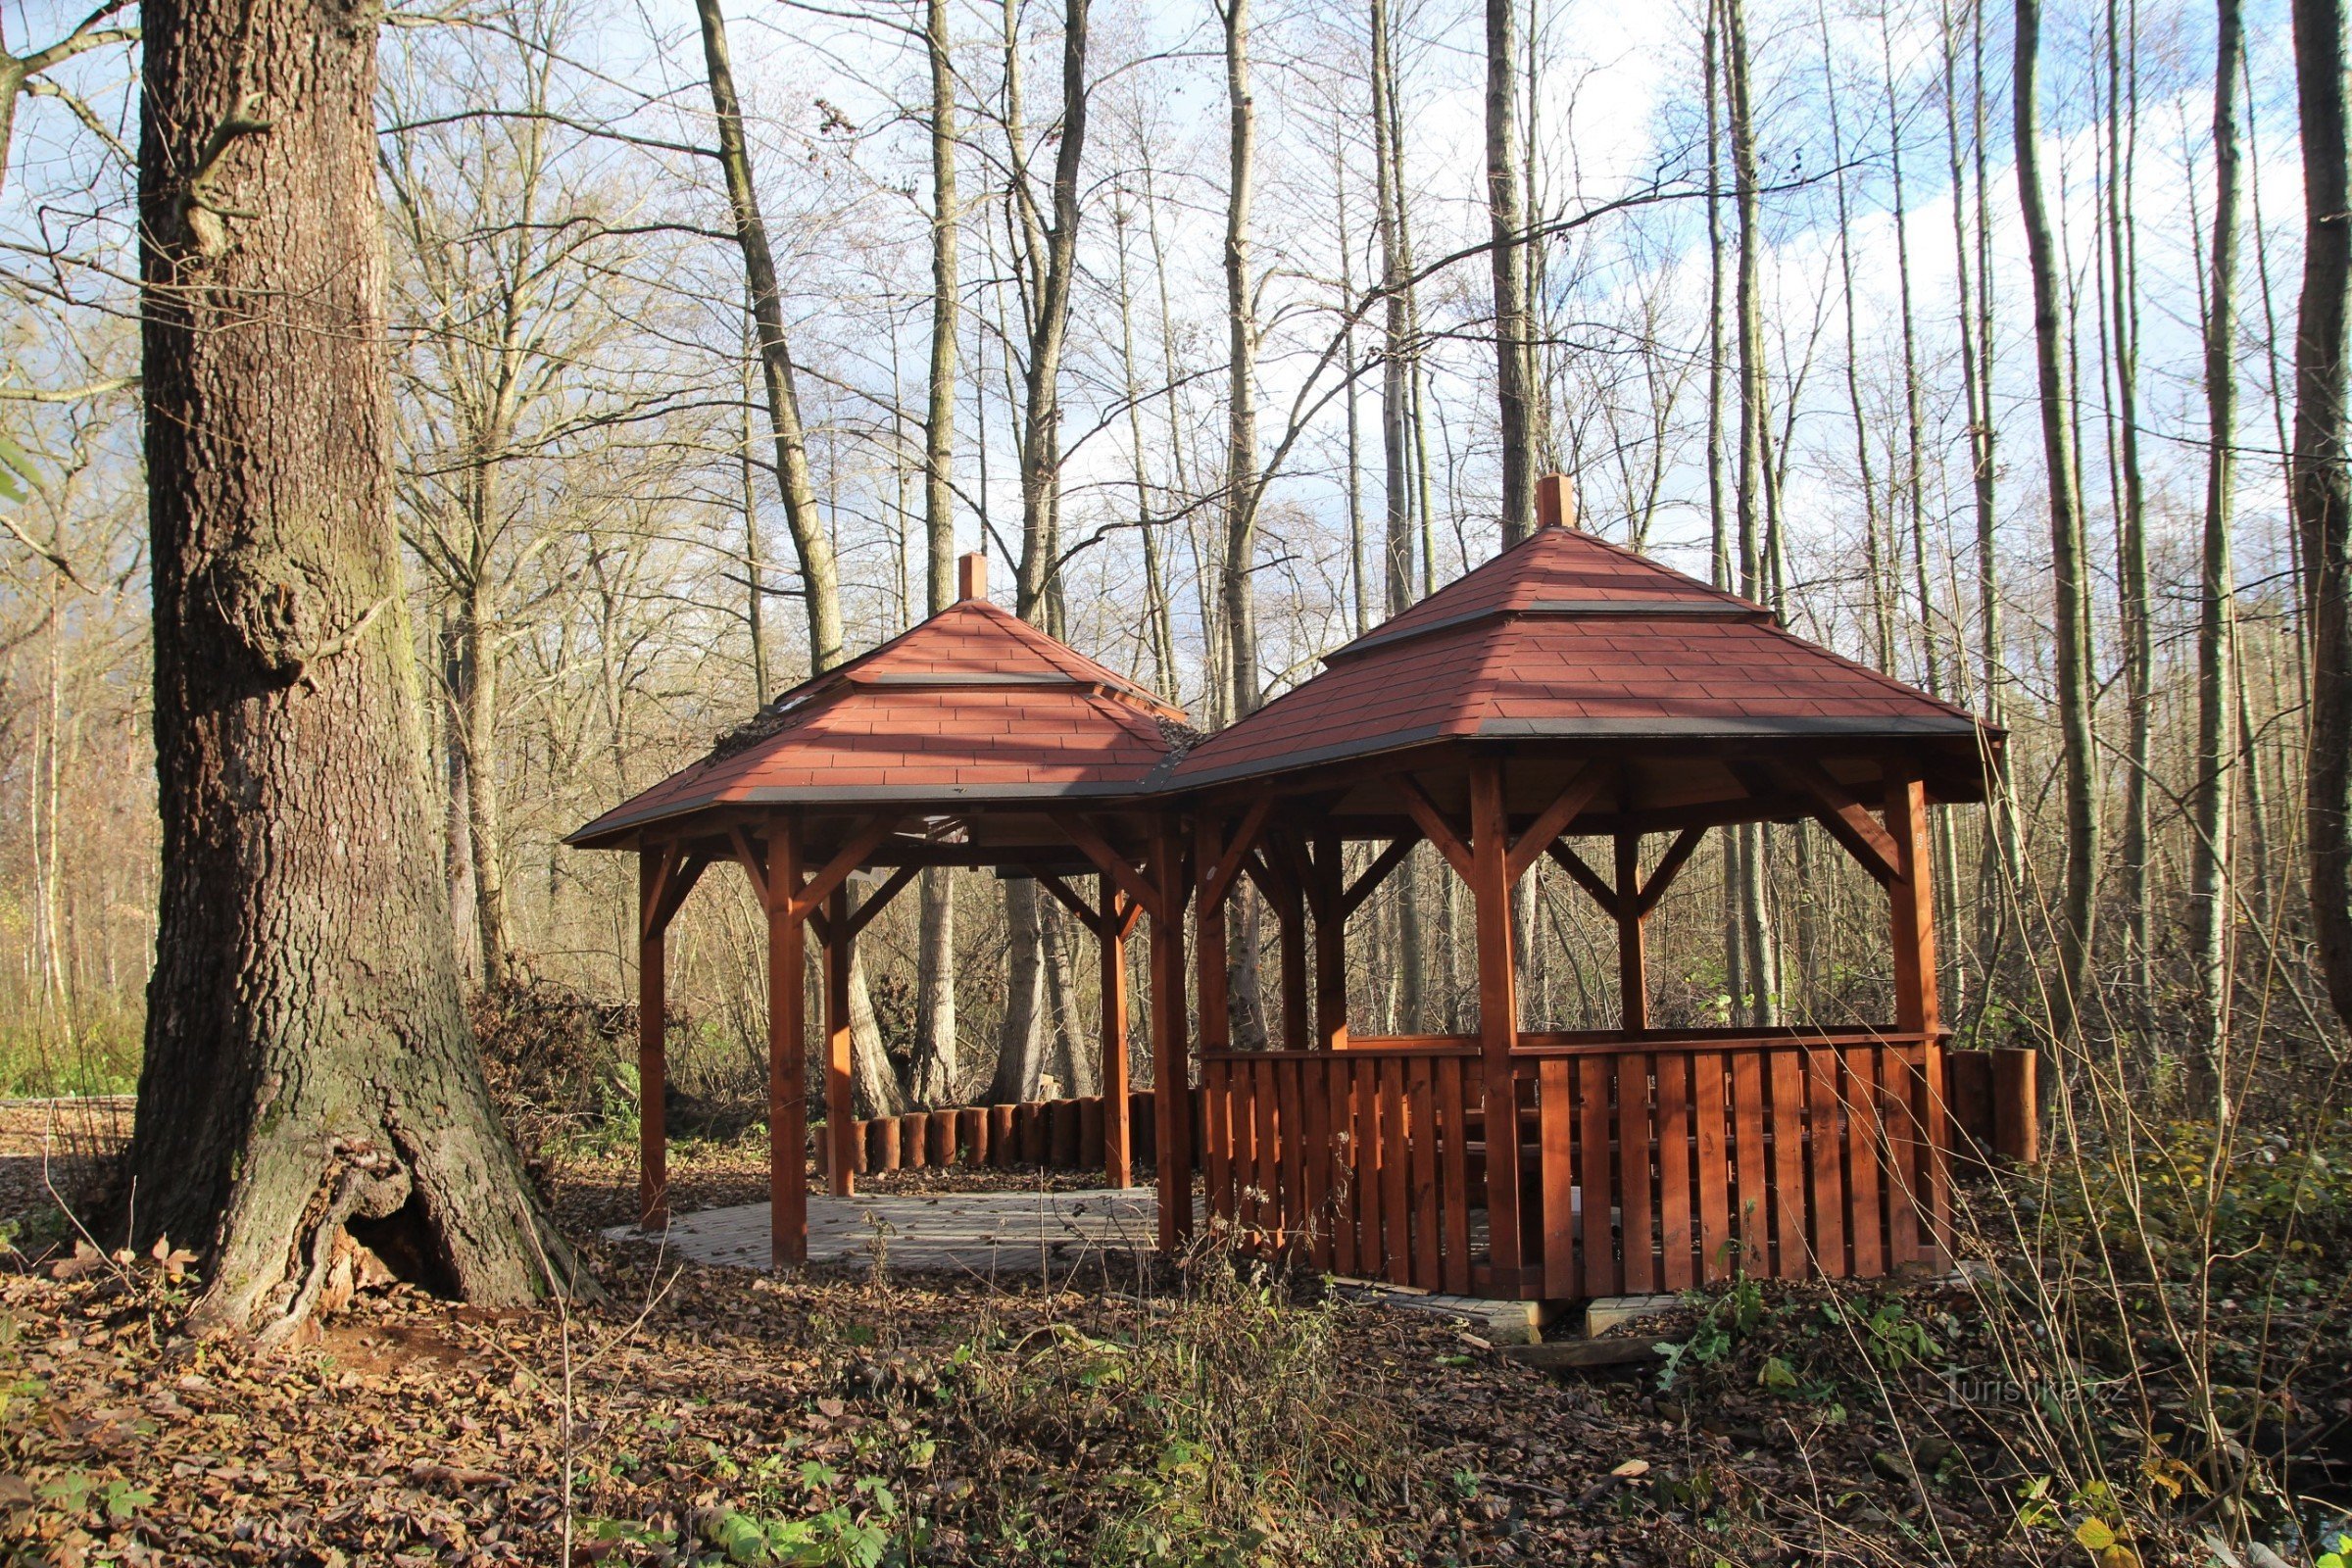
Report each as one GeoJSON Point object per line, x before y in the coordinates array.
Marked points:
{"type": "Point", "coordinates": [1723, 1322]}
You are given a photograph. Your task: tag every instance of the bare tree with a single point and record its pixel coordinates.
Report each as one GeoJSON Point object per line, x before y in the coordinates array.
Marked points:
{"type": "Point", "coordinates": [2323, 480]}
{"type": "Point", "coordinates": [2069, 574]}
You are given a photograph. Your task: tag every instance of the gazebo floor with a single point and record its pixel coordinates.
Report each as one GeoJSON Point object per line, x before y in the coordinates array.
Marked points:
{"type": "Point", "coordinates": [986, 1234]}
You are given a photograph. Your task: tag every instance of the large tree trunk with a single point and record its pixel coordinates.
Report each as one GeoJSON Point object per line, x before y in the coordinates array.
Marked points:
{"type": "Point", "coordinates": [2069, 577]}
{"type": "Point", "coordinates": [2323, 480]}
{"type": "Point", "coordinates": [307, 1068]}
{"type": "Point", "coordinates": [2211, 795]}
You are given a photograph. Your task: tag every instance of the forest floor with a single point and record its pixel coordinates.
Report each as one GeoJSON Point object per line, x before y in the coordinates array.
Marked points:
{"type": "Point", "coordinates": [1221, 1416]}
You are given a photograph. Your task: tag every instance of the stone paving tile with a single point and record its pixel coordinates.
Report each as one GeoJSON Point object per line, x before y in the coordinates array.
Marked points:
{"type": "Point", "coordinates": [980, 1233]}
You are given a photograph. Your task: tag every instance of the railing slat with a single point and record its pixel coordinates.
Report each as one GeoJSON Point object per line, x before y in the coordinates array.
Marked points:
{"type": "Point", "coordinates": [1268, 1148]}
{"type": "Point", "coordinates": [1787, 1076]}
{"type": "Point", "coordinates": [1555, 1132]}
{"type": "Point", "coordinates": [1902, 1161]}
{"type": "Point", "coordinates": [1297, 1213]}
{"type": "Point", "coordinates": [1937, 1177]}
{"type": "Point", "coordinates": [1867, 1223]}
{"type": "Point", "coordinates": [1216, 1135]}
{"type": "Point", "coordinates": [1397, 1242]}
{"type": "Point", "coordinates": [1598, 1192]}
{"type": "Point", "coordinates": [1453, 1144]}
{"type": "Point", "coordinates": [1825, 1142]}
{"type": "Point", "coordinates": [1754, 1215]}
{"type": "Point", "coordinates": [1370, 1240]}
{"type": "Point", "coordinates": [1421, 1114]}
{"type": "Point", "coordinates": [1638, 1256]}
{"type": "Point", "coordinates": [1714, 1167]}
{"type": "Point", "coordinates": [1676, 1241]}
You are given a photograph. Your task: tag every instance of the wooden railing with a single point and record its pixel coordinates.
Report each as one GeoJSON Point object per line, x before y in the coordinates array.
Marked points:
{"type": "Point", "coordinates": [1664, 1163]}
{"type": "Point", "coordinates": [1361, 1158]}
{"type": "Point", "coordinates": [1650, 1162]}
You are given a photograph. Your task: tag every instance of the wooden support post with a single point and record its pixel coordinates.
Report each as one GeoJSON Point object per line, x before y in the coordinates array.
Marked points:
{"type": "Point", "coordinates": [1171, 1099]}
{"type": "Point", "coordinates": [787, 1046]}
{"type": "Point", "coordinates": [1913, 895]}
{"type": "Point", "coordinates": [1291, 912]}
{"type": "Point", "coordinates": [1213, 1004]}
{"type": "Point", "coordinates": [1331, 946]}
{"type": "Point", "coordinates": [1633, 970]}
{"type": "Point", "coordinates": [1916, 1008]}
{"type": "Point", "coordinates": [839, 1108]}
{"type": "Point", "coordinates": [1118, 1144]}
{"type": "Point", "coordinates": [653, 1072]}
{"type": "Point", "coordinates": [1498, 1017]}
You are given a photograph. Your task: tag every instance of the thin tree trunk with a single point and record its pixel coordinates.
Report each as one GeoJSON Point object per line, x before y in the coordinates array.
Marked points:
{"type": "Point", "coordinates": [1758, 949]}
{"type": "Point", "coordinates": [1047, 281]}
{"type": "Point", "coordinates": [2211, 814]}
{"type": "Point", "coordinates": [1882, 612]}
{"type": "Point", "coordinates": [820, 576]}
{"type": "Point", "coordinates": [2132, 540]}
{"type": "Point", "coordinates": [1395, 412]}
{"type": "Point", "coordinates": [820, 579]}
{"type": "Point", "coordinates": [936, 1067]}
{"type": "Point", "coordinates": [1508, 221]}
{"type": "Point", "coordinates": [2070, 579]}
{"type": "Point", "coordinates": [308, 1071]}
{"type": "Point", "coordinates": [1240, 364]}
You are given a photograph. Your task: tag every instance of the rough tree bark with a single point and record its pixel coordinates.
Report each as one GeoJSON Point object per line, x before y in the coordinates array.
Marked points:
{"type": "Point", "coordinates": [309, 1072]}
{"type": "Point", "coordinates": [2323, 480]}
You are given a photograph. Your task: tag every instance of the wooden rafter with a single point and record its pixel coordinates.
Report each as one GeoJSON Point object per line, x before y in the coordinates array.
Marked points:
{"type": "Point", "coordinates": [876, 901]}
{"type": "Point", "coordinates": [1383, 865]}
{"type": "Point", "coordinates": [1662, 876]}
{"type": "Point", "coordinates": [848, 859]}
{"type": "Point", "coordinates": [1432, 822]}
{"type": "Point", "coordinates": [1219, 880]}
{"type": "Point", "coordinates": [1072, 900]}
{"type": "Point", "coordinates": [1112, 864]}
{"type": "Point", "coordinates": [750, 854]}
{"type": "Point", "coordinates": [1553, 821]}
{"type": "Point", "coordinates": [1585, 876]}
{"type": "Point", "coordinates": [1843, 818]}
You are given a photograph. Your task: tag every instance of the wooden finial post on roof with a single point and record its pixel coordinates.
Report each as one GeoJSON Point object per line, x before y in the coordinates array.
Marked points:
{"type": "Point", "coordinates": [971, 578]}
{"type": "Point", "coordinates": [1556, 506]}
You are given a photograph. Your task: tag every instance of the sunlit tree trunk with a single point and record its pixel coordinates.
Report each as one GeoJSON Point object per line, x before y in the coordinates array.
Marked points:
{"type": "Point", "coordinates": [936, 1067]}
{"type": "Point", "coordinates": [2069, 574]}
{"type": "Point", "coordinates": [308, 1072]}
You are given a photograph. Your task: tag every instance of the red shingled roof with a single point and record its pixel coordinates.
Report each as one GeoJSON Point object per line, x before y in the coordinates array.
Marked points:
{"type": "Point", "coordinates": [973, 705]}
{"type": "Point", "coordinates": [1567, 636]}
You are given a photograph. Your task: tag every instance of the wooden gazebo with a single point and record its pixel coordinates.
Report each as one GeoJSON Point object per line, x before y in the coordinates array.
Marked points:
{"type": "Point", "coordinates": [972, 740]}
{"type": "Point", "coordinates": [1571, 691]}
{"type": "Point", "coordinates": [1567, 691]}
